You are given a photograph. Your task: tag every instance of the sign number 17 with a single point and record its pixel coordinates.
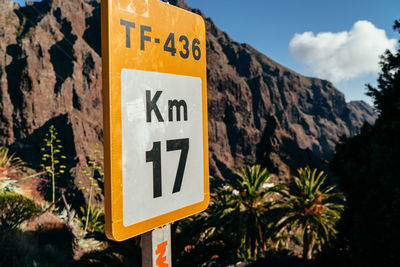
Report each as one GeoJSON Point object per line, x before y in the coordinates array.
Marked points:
{"type": "Point", "coordinates": [154, 156]}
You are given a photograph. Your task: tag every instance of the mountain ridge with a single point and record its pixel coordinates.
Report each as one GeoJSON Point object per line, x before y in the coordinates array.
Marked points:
{"type": "Point", "coordinates": [315, 127]}
{"type": "Point", "coordinates": [259, 111]}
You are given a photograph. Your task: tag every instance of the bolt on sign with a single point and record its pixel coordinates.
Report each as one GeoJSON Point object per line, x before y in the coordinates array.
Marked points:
{"type": "Point", "coordinates": [155, 115]}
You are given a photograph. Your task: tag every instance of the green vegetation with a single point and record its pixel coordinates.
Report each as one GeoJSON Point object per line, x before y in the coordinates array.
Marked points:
{"type": "Point", "coordinates": [55, 232]}
{"type": "Point", "coordinates": [249, 217]}
{"type": "Point", "coordinates": [52, 158]}
{"type": "Point", "coordinates": [24, 30]}
{"type": "Point", "coordinates": [11, 168]}
{"type": "Point", "coordinates": [10, 165]}
{"type": "Point", "coordinates": [367, 166]}
{"type": "Point", "coordinates": [94, 174]}
{"type": "Point", "coordinates": [241, 206]}
{"type": "Point", "coordinates": [310, 209]}
{"type": "Point", "coordinates": [92, 219]}
{"type": "Point", "coordinates": [234, 226]}
{"type": "Point", "coordinates": [14, 210]}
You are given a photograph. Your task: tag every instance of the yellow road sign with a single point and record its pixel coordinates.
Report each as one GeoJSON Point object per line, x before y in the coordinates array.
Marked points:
{"type": "Point", "coordinates": [155, 115]}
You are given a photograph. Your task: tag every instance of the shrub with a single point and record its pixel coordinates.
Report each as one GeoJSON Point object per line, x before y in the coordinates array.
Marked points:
{"type": "Point", "coordinates": [15, 209]}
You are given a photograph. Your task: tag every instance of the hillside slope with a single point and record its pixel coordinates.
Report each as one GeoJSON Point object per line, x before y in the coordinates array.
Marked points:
{"type": "Point", "coordinates": [263, 111]}
{"type": "Point", "coordinates": [259, 111]}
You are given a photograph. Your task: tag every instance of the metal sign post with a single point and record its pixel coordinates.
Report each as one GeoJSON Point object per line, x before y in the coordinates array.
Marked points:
{"type": "Point", "coordinates": [155, 115]}
{"type": "Point", "coordinates": [156, 247]}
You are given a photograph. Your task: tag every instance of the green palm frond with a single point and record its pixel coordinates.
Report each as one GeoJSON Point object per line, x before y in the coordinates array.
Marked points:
{"type": "Point", "coordinates": [239, 209]}
{"type": "Point", "coordinates": [307, 206]}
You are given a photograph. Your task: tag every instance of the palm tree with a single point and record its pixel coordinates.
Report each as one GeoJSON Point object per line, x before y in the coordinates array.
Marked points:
{"type": "Point", "coordinates": [239, 209]}
{"type": "Point", "coordinates": [309, 208]}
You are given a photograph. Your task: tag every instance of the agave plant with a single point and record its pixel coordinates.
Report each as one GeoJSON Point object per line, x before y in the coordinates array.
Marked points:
{"type": "Point", "coordinates": [95, 176]}
{"type": "Point", "coordinates": [92, 219]}
{"type": "Point", "coordinates": [10, 165]}
{"type": "Point", "coordinates": [52, 159]}
{"type": "Point", "coordinates": [11, 168]}
{"type": "Point", "coordinates": [308, 207]}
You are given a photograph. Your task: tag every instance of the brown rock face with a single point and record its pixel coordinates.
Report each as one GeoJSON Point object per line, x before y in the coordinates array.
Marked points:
{"type": "Point", "coordinates": [260, 111]}
{"type": "Point", "coordinates": [248, 91]}
{"type": "Point", "coordinates": [50, 73]}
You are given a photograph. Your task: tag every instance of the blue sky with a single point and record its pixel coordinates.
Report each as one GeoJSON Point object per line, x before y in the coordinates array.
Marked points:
{"type": "Point", "coordinates": [22, 2]}
{"type": "Point", "coordinates": [270, 26]}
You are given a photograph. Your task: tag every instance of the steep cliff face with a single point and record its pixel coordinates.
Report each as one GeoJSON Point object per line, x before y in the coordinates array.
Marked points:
{"type": "Point", "coordinates": [261, 111]}
{"type": "Point", "coordinates": [50, 73]}
{"type": "Point", "coordinates": [246, 88]}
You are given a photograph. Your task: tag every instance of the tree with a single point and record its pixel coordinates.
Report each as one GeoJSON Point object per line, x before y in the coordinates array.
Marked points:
{"type": "Point", "coordinates": [386, 96]}
{"type": "Point", "coordinates": [307, 207]}
{"type": "Point", "coordinates": [367, 166]}
{"type": "Point", "coordinates": [238, 211]}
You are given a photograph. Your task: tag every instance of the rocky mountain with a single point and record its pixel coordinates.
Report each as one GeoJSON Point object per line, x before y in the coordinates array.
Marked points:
{"type": "Point", "coordinates": [50, 71]}
{"type": "Point", "coordinates": [259, 111]}
{"type": "Point", "coordinates": [262, 111]}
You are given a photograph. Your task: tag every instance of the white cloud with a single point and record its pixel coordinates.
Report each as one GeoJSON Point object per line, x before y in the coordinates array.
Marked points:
{"type": "Point", "coordinates": [343, 55]}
